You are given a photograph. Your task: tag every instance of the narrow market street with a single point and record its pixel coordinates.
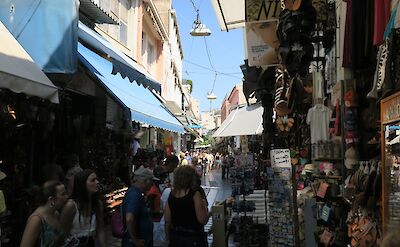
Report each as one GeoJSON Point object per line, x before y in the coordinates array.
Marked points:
{"type": "Point", "coordinates": [107, 105]}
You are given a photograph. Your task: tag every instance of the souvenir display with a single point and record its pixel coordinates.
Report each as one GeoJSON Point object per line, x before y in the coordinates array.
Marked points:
{"type": "Point", "coordinates": [281, 222]}
{"type": "Point", "coordinates": [242, 175]}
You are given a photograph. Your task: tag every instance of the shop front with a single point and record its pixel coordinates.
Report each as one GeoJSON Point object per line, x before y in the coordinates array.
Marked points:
{"type": "Point", "coordinates": [240, 146]}
{"type": "Point", "coordinates": [390, 116]}
{"type": "Point", "coordinates": [320, 76]}
{"type": "Point", "coordinates": [28, 108]}
{"type": "Point", "coordinates": [154, 127]}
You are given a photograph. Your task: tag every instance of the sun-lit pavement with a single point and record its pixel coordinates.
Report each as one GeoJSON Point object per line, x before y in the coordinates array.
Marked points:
{"type": "Point", "coordinates": [216, 190]}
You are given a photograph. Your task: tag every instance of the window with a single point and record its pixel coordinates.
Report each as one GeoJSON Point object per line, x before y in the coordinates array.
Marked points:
{"type": "Point", "coordinates": [123, 11]}
{"type": "Point", "coordinates": [149, 53]}
{"type": "Point", "coordinates": [123, 33]}
{"type": "Point", "coordinates": [119, 10]}
{"type": "Point", "coordinates": [144, 47]}
{"type": "Point", "coordinates": [123, 15]}
{"type": "Point", "coordinates": [114, 7]}
{"type": "Point", "coordinates": [113, 30]}
{"type": "Point", "coordinates": [105, 4]}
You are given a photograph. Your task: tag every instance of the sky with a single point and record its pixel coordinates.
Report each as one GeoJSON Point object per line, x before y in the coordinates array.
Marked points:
{"type": "Point", "coordinates": [225, 49]}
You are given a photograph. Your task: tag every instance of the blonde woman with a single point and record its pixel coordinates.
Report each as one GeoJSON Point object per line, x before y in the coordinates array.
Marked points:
{"type": "Point", "coordinates": [186, 210]}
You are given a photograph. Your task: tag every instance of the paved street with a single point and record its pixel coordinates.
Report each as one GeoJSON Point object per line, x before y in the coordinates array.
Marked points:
{"type": "Point", "coordinates": [216, 190]}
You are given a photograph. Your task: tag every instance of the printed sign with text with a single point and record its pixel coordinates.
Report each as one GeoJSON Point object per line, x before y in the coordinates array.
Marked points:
{"type": "Point", "coordinates": [280, 158]}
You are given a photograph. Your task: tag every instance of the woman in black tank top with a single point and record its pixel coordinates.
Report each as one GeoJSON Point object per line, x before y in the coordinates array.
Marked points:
{"type": "Point", "coordinates": [186, 211]}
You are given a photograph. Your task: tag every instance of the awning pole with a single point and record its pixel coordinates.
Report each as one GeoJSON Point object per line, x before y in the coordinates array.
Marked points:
{"type": "Point", "coordinates": [223, 16]}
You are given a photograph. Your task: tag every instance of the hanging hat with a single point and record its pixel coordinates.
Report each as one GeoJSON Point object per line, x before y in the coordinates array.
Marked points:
{"type": "Point", "coordinates": [351, 158]}
{"type": "Point", "coordinates": [309, 168]}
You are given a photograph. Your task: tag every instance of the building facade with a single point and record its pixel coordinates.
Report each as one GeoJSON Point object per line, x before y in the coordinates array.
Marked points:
{"type": "Point", "coordinates": [234, 99]}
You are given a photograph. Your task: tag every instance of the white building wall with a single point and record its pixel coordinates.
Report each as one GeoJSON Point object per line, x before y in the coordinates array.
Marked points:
{"type": "Point", "coordinates": [208, 121]}
{"type": "Point", "coordinates": [195, 105]}
{"type": "Point", "coordinates": [173, 62]}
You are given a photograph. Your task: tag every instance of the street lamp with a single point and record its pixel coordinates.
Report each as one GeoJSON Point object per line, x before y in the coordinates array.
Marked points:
{"type": "Point", "coordinates": [211, 96]}
{"type": "Point", "coordinates": [198, 28]}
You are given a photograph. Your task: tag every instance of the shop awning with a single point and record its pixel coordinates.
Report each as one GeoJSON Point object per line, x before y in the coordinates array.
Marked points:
{"type": "Point", "coordinates": [93, 12]}
{"type": "Point", "coordinates": [47, 30]}
{"type": "Point", "coordinates": [183, 117]}
{"type": "Point", "coordinates": [144, 106]}
{"type": "Point", "coordinates": [242, 121]}
{"type": "Point", "coordinates": [19, 73]}
{"type": "Point", "coordinates": [194, 126]}
{"type": "Point", "coordinates": [230, 13]}
{"type": "Point", "coordinates": [121, 63]}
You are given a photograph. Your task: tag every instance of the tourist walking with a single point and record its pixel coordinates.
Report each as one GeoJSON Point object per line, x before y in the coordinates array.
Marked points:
{"type": "Point", "coordinates": [135, 213]}
{"type": "Point", "coordinates": [186, 211]}
{"type": "Point", "coordinates": [82, 216]}
{"type": "Point", "coordinates": [43, 226]}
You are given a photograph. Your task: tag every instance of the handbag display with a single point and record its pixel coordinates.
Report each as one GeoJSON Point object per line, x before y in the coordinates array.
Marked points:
{"type": "Point", "coordinates": [323, 188]}
{"type": "Point", "coordinates": [326, 237]}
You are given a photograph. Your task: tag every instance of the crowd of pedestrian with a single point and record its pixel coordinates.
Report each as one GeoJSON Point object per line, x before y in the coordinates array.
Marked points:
{"type": "Point", "coordinates": [165, 204]}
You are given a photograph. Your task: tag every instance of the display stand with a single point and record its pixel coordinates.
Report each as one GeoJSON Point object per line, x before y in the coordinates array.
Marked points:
{"type": "Point", "coordinates": [282, 230]}
{"type": "Point", "coordinates": [390, 126]}
{"type": "Point", "coordinates": [114, 199]}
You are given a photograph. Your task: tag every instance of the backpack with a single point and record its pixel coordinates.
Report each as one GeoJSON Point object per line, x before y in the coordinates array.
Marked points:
{"type": "Point", "coordinates": [117, 224]}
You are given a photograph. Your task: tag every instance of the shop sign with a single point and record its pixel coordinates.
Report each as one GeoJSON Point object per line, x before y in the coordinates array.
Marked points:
{"type": "Point", "coordinates": [261, 10]}
{"type": "Point", "coordinates": [262, 43]}
{"type": "Point", "coordinates": [390, 108]}
{"type": "Point", "coordinates": [280, 158]}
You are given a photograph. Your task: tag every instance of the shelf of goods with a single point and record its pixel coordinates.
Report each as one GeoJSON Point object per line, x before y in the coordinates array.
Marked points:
{"type": "Point", "coordinates": [114, 198]}
{"type": "Point", "coordinates": [259, 198]}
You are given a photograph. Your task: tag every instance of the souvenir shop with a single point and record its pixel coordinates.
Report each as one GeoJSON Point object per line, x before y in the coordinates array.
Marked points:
{"type": "Point", "coordinates": [28, 103]}
{"type": "Point", "coordinates": [330, 147]}
{"type": "Point", "coordinates": [342, 189]}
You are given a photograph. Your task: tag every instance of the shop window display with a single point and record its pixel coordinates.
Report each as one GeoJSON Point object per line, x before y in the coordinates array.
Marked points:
{"type": "Point", "coordinates": [392, 174]}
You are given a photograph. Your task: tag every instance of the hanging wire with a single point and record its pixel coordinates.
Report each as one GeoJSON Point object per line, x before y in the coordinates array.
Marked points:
{"type": "Point", "coordinates": [210, 69]}
{"type": "Point", "coordinates": [197, 22]}
{"type": "Point", "coordinates": [215, 79]}
{"type": "Point", "coordinates": [208, 54]}
{"type": "Point", "coordinates": [194, 6]}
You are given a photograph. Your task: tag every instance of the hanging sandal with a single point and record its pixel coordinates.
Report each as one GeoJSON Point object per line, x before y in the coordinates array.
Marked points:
{"type": "Point", "coordinates": [373, 94]}
{"type": "Point", "coordinates": [382, 66]}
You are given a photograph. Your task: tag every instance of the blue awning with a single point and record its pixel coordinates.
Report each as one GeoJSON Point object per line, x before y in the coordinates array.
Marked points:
{"type": "Point", "coordinates": [122, 64]}
{"type": "Point", "coordinates": [194, 126]}
{"type": "Point", "coordinates": [46, 29]}
{"type": "Point", "coordinates": [145, 107]}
